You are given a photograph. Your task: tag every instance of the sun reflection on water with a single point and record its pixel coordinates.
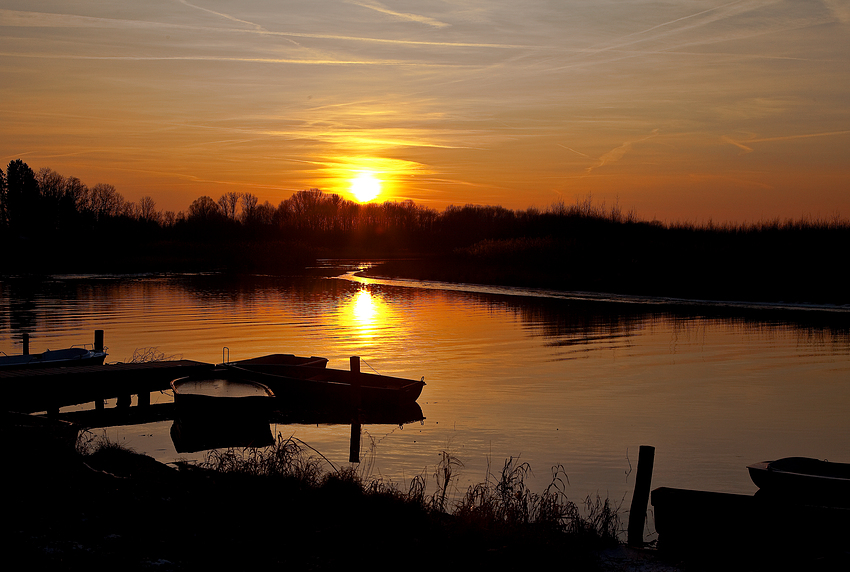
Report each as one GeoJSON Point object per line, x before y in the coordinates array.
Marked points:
{"type": "Point", "coordinates": [364, 316]}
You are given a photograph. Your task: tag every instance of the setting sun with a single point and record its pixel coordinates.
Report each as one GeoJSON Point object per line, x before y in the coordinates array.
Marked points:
{"type": "Point", "coordinates": [365, 187]}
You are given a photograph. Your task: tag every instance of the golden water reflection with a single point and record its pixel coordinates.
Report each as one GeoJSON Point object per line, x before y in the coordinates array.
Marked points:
{"type": "Point", "coordinates": [364, 316]}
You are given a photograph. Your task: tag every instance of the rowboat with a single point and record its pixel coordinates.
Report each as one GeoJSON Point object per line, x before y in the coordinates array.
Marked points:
{"type": "Point", "coordinates": [70, 357]}
{"type": "Point", "coordinates": [214, 410]}
{"type": "Point", "coordinates": [307, 381]}
{"type": "Point", "coordinates": [803, 478]}
{"type": "Point", "coordinates": [218, 394]}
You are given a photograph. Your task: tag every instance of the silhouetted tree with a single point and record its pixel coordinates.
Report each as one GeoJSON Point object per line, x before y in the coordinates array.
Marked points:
{"type": "Point", "coordinates": [21, 198]}
{"type": "Point", "coordinates": [228, 202]}
{"type": "Point", "coordinates": [147, 210]}
{"type": "Point", "coordinates": [204, 209]}
{"type": "Point", "coordinates": [104, 201]}
{"type": "Point", "coordinates": [3, 199]}
{"type": "Point", "coordinates": [249, 205]}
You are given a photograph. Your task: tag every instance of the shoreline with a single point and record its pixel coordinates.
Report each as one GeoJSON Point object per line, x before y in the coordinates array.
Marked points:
{"type": "Point", "coordinates": [111, 507]}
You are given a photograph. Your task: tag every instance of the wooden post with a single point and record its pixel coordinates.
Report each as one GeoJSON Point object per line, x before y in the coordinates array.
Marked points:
{"type": "Point", "coordinates": [144, 399]}
{"type": "Point", "coordinates": [355, 383]}
{"type": "Point", "coordinates": [98, 340]}
{"type": "Point", "coordinates": [26, 341]}
{"type": "Point", "coordinates": [354, 445]}
{"type": "Point", "coordinates": [640, 498]}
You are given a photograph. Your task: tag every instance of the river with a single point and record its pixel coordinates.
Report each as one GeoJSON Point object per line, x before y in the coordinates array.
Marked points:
{"type": "Point", "coordinates": [549, 379]}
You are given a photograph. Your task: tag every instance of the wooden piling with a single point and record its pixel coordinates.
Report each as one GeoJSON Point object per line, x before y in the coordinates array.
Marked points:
{"type": "Point", "coordinates": [640, 498]}
{"type": "Point", "coordinates": [25, 340]}
{"type": "Point", "coordinates": [354, 444]}
{"type": "Point", "coordinates": [355, 383]}
{"type": "Point", "coordinates": [98, 340]}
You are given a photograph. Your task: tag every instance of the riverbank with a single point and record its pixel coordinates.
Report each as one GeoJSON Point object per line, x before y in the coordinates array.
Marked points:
{"type": "Point", "coordinates": [110, 507]}
{"type": "Point", "coordinates": [82, 506]}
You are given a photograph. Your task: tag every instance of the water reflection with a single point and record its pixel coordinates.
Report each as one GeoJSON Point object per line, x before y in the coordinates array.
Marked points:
{"type": "Point", "coordinates": [713, 388]}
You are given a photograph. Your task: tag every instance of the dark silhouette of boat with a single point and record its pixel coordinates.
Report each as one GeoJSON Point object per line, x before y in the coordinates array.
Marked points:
{"type": "Point", "coordinates": [303, 380]}
{"type": "Point", "coordinates": [215, 410]}
{"type": "Point", "coordinates": [70, 357]}
{"type": "Point", "coordinates": [803, 479]}
{"type": "Point", "coordinates": [217, 394]}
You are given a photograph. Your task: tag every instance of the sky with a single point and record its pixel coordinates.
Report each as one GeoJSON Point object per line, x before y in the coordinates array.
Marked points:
{"type": "Point", "coordinates": [678, 110]}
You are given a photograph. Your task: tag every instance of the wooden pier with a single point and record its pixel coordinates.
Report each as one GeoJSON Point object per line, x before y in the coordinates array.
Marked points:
{"type": "Point", "coordinates": [32, 390]}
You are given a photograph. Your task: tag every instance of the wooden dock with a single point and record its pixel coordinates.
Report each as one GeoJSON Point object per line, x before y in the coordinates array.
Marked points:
{"type": "Point", "coordinates": [31, 390]}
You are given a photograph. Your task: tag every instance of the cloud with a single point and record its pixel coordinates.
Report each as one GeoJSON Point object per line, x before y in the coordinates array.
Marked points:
{"type": "Point", "coordinates": [617, 153]}
{"type": "Point", "coordinates": [223, 15]}
{"type": "Point", "coordinates": [378, 7]}
{"type": "Point", "coordinates": [748, 149]}
{"type": "Point", "coordinates": [840, 9]}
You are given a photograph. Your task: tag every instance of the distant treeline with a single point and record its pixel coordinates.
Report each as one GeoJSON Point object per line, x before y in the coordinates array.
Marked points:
{"type": "Point", "coordinates": [51, 223]}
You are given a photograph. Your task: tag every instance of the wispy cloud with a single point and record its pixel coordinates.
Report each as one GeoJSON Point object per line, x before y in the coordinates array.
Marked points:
{"type": "Point", "coordinates": [418, 18]}
{"type": "Point", "coordinates": [744, 144]}
{"type": "Point", "coordinates": [618, 153]}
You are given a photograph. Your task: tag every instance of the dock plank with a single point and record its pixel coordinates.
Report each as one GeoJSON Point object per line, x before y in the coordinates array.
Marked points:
{"type": "Point", "coordinates": [31, 390]}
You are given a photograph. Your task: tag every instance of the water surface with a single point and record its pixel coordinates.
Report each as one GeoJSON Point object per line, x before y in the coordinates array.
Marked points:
{"type": "Point", "coordinates": [578, 381]}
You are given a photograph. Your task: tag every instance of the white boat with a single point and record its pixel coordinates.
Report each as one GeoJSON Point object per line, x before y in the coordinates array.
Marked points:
{"type": "Point", "coordinates": [71, 357]}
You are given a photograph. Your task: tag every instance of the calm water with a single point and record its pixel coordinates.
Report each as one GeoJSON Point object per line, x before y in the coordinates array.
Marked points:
{"type": "Point", "coordinates": [510, 373]}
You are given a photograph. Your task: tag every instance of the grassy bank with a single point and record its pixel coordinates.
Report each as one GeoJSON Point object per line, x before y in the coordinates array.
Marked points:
{"type": "Point", "coordinates": [102, 506]}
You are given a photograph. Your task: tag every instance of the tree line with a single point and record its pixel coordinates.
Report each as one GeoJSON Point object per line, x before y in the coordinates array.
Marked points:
{"type": "Point", "coordinates": [579, 246]}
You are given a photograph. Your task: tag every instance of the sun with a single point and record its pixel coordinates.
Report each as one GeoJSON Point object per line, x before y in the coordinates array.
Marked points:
{"type": "Point", "coordinates": [365, 187]}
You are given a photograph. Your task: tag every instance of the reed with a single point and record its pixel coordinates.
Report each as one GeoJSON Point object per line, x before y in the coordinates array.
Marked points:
{"type": "Point", "coordinates": [503, 504]}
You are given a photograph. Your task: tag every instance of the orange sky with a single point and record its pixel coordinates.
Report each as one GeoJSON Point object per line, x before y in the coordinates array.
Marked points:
{"type": "Point", "coordinates": [723, 110]}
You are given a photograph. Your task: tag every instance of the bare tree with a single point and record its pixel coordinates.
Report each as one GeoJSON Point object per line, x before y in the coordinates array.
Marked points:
{"type": "Point", "coordinates": [105, 201]}
{"type": "Point", "coordinates": [147, 210]}
{"type": "Point", "coordinates": [249, 205]}
{"type": "Point", "coordinates": [228, 202]}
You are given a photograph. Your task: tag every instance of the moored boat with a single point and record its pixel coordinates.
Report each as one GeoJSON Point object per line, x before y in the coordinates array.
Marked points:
{"type": "Point", "coordinates": [70, 357]}
{"type": "Point", "coordinates": [803, 478]}
{"type": "Point", "coordinates": [218, 394]}
{"type": "Point", "coordinates": [309, 381]}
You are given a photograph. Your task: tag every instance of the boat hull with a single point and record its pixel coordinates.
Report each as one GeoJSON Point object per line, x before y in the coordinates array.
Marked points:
{"type": "Point", "coordinates": [71, 357]}
{"type": "Point", "coordinates": [218, 396]}
{"type": "Point", "coordinates": [302, 384]}
{"type": "Point", "coordinates": [803, 479]}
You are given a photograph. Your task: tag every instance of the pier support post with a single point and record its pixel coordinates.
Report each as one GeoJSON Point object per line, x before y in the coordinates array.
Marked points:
{"type": "Point", "coordinates": [25, 340]}
{"type": "Point", "coordinates": [354, 445]}
{"type": "Point", "coordinates": [355, 383]}
{"type": "Point", "coordinates": [640, 498]}
{"type": "Point", "coordinates": [98, 340]}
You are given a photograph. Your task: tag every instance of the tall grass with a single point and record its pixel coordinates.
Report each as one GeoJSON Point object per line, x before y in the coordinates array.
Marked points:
{"type": "Point", "coordinates": [503, 503]}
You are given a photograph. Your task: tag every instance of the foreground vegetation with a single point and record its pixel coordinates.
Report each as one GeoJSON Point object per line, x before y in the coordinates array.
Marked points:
{"type": "Point", "coordinates": [104, 506]}
{"type": "Point", "coordinates": [55, 224]}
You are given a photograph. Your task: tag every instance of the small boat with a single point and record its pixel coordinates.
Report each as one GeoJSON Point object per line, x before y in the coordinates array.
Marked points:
{"type": "Point", "coordinates": [803, 478]}
{"type": "Point", "coordinates": [217, 394]}
{"type": "Point", "coordinates": [307, 381]}
{"type": "Point", "coordinates": [280, 364]}
{"type": "Point", "coordinates": [71, 357]}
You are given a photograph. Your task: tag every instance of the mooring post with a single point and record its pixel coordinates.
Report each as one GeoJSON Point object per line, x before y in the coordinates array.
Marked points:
{"type": "Point", "coordinates": [354, 444]}
{"type": "Point", "coordinates": [355, 383]}
{"type": "Point", "coordinates": [98, 340]}
{"type": "Point", "coordinates": [640, 498]}
{"type": "Point", "coordinates": [25, 339]}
